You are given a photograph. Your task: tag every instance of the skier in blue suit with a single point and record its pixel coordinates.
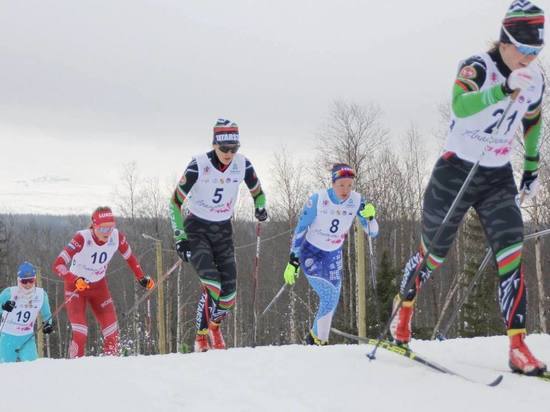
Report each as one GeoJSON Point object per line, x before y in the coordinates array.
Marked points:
{"type": "Point", "coordinates": [317, 243]}
{"type": "Point", "coordinates": [20, 307]}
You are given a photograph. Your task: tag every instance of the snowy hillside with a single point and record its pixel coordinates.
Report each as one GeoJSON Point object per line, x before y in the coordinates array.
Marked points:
{"type": "Point", "coordinates": [284, 378]}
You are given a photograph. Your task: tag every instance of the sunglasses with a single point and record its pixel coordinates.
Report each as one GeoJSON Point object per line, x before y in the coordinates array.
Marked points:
{"type": "Point", "coordinates": [29, 281]}
{"type": "Point", "coordinates": [523, 48]}
{"type": "Point", "coordinates": [347, 172]}
{"type": "Point", "coordinates": [104, 229]}
{"type": "Point", "coordinates": [229, 148]}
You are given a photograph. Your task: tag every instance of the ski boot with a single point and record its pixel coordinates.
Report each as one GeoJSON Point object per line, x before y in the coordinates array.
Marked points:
{"type": "Point", "coordinates": [216, 337]}
{"type": "Point", "coordinates": [521, 358]}
{"type": "Point", "coordinates": [201, 341]}
{"type": "Point", "coordinates": [400, 327]}
{"type": "Point", "coordinates": [311, 339]}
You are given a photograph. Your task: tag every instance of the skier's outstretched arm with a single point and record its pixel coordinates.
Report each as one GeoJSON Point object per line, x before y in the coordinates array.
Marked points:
{"type": "Point", "coordinates": [177, 202]}
{"type": "Point", "coordinates": [467, 97]}
{"type": "Point", "coordinates": [126, 251]}
{"type": "Point", "coordinates": [255, 187]}
{"type": "Point", "coordinates": [45, 310]}
{"type": "Point", "coordinates": [532, 125]}
{"type": "Point", "coordinates": [63, 260]}
{"type": "Point", "coordinates": [5, 296]}
{"type": "Point", "coordinates": [308, 215]}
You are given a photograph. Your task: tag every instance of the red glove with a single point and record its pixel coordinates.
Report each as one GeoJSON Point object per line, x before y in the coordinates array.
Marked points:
{"type": "Point", "coordinates": [81, 284]}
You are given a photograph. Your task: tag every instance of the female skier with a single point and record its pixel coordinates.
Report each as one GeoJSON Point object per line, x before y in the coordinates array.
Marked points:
{"type": "Point", "coordinates": [82, 264]}
{"type": "Point", "coordinates": [201, 210]}
{"type": "Point", "coordinates": [317, 244]}
{"type": "Point", "coordinates": [21, 305]}
{"type": "Point", "coordinates": [505, 81]}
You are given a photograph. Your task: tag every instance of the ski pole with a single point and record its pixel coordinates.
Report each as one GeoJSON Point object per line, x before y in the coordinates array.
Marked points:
{"type": "Point", "coordinates": [373, 278]}
{"type": "Point", "coordinates": [279, 293]}
{"type": "Point", "coordinates": [149, 291]}
{"type": "Point", "coordinates": [437, 235]}
{"type": "Point", "coordinates": [442, 334]}
{"type": "Point", "coordinates": [255, 283]}
{"type": "Point", "coordinates": [5, 318]}
{"type": "Point", "coordinates": [52, 316]}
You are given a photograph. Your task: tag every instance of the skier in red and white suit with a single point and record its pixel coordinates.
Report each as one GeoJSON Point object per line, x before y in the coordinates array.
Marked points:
{"type": "Point", "coordinates": [89, 253]}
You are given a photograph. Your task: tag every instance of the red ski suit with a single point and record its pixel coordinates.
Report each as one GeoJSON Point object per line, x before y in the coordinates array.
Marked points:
{"type": "Point", "coordinates": [89, 258]}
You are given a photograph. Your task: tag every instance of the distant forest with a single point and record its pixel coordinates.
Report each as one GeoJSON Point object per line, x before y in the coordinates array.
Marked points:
{"type": "Point", "coordinates": [393, 178]}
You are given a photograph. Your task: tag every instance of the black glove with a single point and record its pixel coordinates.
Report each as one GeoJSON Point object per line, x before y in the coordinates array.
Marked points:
{"type": "Point", "coordinates": [183, 249]}
{"type": "Point", "coordinates": [147, 282]}
{"type": "Point", "coordinates": [47, 328]}
{"type": "Point", "coordinates": [261, 214]}
{"type": "Point", "coordinates": [527, 178]}
{"type": "Point", "coordinates": [8, 305]}
{"type": "Point", "coordinates": [291, 271]}
{"type": "Point", "coordinates": [294, 261]}
{"type": "Point", "coordinates": [506, 88]}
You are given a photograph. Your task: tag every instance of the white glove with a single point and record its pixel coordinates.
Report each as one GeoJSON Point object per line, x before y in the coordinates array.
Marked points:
{"type": "Point", "coordinates": [521, 79]}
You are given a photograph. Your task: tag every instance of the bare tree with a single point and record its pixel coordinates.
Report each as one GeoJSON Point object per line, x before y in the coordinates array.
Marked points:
{"type": "Point", "coordinates": [128, 201]}
{"type": "Point", "coordinates": [292, 192]}
{"type": "Point", "coordinates": [127, 195]}
{"type": "Point", "coordinates": [153, 203]}
{"type": "Point", "coordinates": [292, 187]}
{"type": "Point", "coordinates": [352, 134]}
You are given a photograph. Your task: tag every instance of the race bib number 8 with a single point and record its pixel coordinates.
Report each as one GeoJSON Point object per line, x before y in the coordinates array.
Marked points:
{"type": "Point", "coordinates": [334, 226]}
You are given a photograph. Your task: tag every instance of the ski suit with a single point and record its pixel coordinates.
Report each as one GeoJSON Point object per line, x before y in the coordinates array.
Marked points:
{"type": "Point", "coordinates": [89, 258]}
{"type": "Point", "coordinates": [317, 242]}
{"type": "Point", "coordinates": [478, 104]}
{"type": "Point", "coordinates": [206, 195]}
{"type": "Point", "coordinates": [18, 325]}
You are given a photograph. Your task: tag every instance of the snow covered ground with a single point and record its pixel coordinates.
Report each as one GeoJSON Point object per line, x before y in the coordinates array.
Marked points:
{"type": "Point", "coordinates": [283, 378]}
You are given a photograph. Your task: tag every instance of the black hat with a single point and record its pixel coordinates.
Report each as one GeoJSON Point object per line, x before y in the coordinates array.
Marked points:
{"type": "Point", "coordinates": [226, 132]}
{"type": "Point", "coordinates": [524, 22]}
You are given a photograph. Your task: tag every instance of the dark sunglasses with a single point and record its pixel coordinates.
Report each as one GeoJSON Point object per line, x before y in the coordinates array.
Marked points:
{"type": "Point", "coordinates": [229, 148]}
{"type": "Point", "coordinates": [27, 281]}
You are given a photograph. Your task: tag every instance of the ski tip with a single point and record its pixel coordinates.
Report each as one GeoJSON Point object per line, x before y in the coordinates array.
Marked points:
{"type": "Point", "coordinates": [496, 381]}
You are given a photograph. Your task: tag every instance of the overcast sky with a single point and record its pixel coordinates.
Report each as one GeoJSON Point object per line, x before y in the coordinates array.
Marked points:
{"type": "Point", "coordinates": [87, 86]}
